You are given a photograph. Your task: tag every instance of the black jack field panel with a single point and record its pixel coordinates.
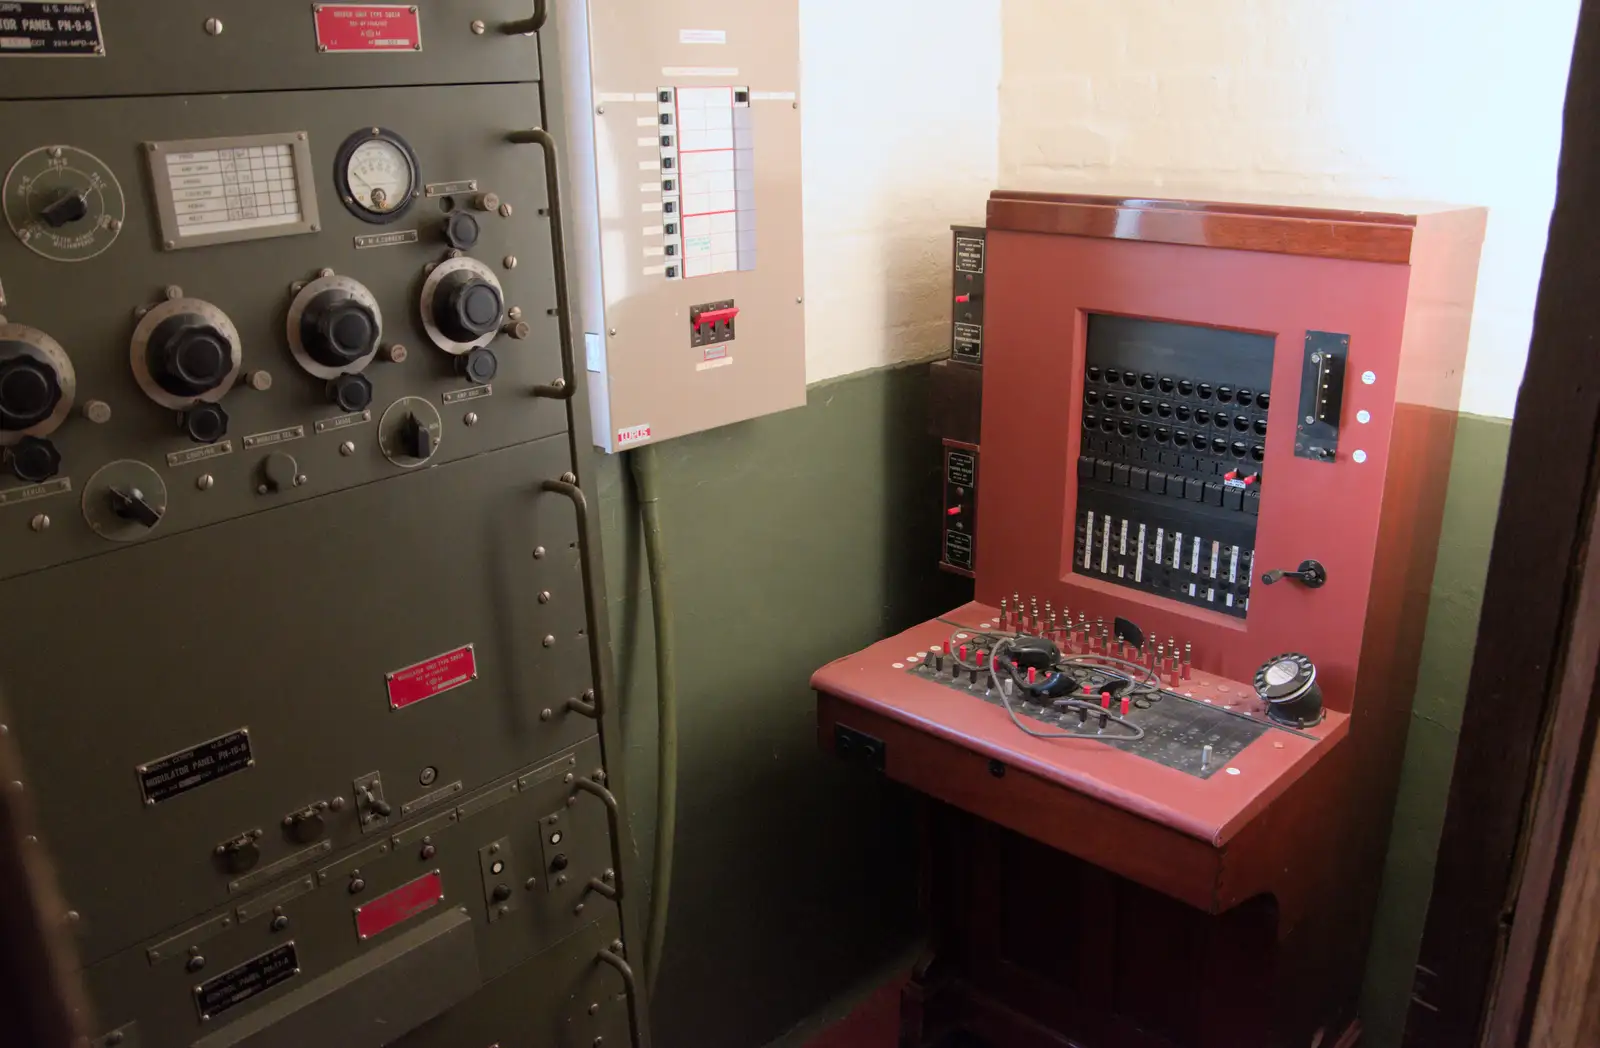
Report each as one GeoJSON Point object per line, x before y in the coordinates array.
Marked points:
{"type": "Point", "coordinates": [298, 642]}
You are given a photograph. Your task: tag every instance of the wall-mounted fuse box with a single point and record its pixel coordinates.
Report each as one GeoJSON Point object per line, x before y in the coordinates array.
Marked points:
{"type": "Point", "coordinates": [685, 219]}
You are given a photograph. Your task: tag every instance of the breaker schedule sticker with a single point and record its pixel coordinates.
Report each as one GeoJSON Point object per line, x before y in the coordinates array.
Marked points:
{"type": "Point", "coordinates": [436, 676]}
{"type": "Point", "coordinates": [343, 28]}
{"type": "Point", "coordinates": [50, 30]}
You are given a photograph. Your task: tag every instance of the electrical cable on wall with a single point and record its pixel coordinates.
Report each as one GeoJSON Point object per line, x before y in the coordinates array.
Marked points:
{"type": "Point", "coordinates": [644, 467]}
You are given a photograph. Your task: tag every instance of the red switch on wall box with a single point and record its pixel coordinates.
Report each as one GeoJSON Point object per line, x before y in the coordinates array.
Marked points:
{"type": "Point", "coordinates": [715, 316]}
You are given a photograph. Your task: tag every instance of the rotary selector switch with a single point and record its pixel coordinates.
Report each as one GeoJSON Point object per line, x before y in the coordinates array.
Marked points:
{"type": "Point", "coordinates": [186, 355]}
{"type": "Point", "coordinates": [37, 386]}
{"type": "Point", "coordinates": [63, 203]}
{"type": "Point", "coordinates": [409, 431]}
{"type": "Point", "coordinates": [334, 326]}
{"type": "Point", "coordinates": [463, 305]}
{"type": "Point", "coordinates": [124, 501]}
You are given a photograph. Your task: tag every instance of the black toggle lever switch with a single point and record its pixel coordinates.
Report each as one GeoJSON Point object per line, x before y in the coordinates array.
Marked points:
{"type": "Point", "coordinates": [418, 438]}
{"type": "Point", "coordinates": [69, 207]}
{"type": "Point", "coordinates": [1310, 574]}
{"type": "Point", "coordinates": [131, 505]}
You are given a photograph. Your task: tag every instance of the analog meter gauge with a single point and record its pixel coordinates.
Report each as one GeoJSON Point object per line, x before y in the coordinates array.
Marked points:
{"type": "Point", "coordinates": [63, 203]}
{"type": "Point", "coordinates": [376, 174]}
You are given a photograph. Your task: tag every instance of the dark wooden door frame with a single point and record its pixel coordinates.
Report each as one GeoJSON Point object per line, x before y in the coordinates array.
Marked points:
{"type": "Point", "coordinates": [1527, 728]}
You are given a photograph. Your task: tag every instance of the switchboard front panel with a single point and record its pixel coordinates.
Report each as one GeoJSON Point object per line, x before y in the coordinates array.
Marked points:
{"type": "Point", "coordinates": [300, 647]}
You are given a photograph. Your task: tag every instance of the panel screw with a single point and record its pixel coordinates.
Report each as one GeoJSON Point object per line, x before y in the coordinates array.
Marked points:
{"type": "Point", "coordinates": [357, 885]}
{"type": "Point", "coordinates": [39, 522]}
{"type": "Point", "coordinates": [478, 27]}
{"type": "Point", "coordinates": [173, 292]}
{"type": "Point", "coordinates": [195, 963]}
{"type": "Point", "coordinates": [429, 851]}
{"type": "Point", "coordinates": [538, 553]}
{"type": "Point", "coordinates": [600, 109]}
{"type": "Point", "coordinates": [530, 883]}
{"type": "Point", "coordinates": [429, 775]}
{"type": "Point", "coordinates": [73, 915]}
{"type": "Point", "coordinates": [300, 480]}
{"type": "Point", "coordinates": [113, 224]}
{"type": "Point", "coordinates": [279, 923]}
{"type": "Point", "coordinates": [510, 262]}
{"type": "Point", "coordinates": [1310, 419]}
{"type": "Point", "coordinates": [505, 210]}
{"type": "Point", "coordinates": [214, 26]}
{"type": "Point", "coordinates": [549, 641]}
{"type": "Point", "coordinates": [569, 478]}
{"type": "Point", "coordinates": [578, 908]}
{"type": "Point", "coordinates": [546, 714]}
{"type": "Point", "coordinates": [544, 597]}
{"type": "Point", "coordinates": [324, 272]}
{"type": "Point", "coordinates": [97, 411]}
{"type": "Point", "coordinates": [514, 313]}
{"type": "Point", "coordinates": [471, 418]}
{"type": "Point", "coordinates": [1316, 358]}
{"type": "Point", "coordinates": [613, 332]}
{"type": "Point", "coordinates": [348, 448]}
{"type": "Point", "coordinates": [55, 152]}
{"type": "Point", "coordinates": [455, 252]}
{"type": "Point", "coordinates": [594, 1009]}
{"type": "Point", "coordinates": [204, 481]}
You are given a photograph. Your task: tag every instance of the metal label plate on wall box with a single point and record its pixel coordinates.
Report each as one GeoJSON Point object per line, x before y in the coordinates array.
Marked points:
{"type": "Point", "coordinates": [178, 773]}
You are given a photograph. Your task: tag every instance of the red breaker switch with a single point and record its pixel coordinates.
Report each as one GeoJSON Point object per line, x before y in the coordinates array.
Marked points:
{"type": "Point", "coordinates": [953, 511]}
{"type": "Point", "coordinates": [712, 322]}
{"type": "Point", "coordinates": [715, 316]}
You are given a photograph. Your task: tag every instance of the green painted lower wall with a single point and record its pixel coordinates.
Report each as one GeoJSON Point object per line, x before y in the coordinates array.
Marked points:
{"type": "Point", "coordinates": [801, 537]}
{"type": "Point", "coordinates": [792, 540]}
{"type": "Point", "coordinates": [1477, 473]}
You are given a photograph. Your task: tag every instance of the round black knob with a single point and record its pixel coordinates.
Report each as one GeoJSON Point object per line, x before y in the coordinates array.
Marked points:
{"type": "Point", "coordinates": [467, 307]}
{"type": "Point", "coordinates": [338, 330]}
{"type": "Point", "coordinates": [351, 392]}
{"type": "Point", "coordinates": [480, 365]}
{"type": "Point", "coordinates": [461, 230]}
{"type": "Point", "coordinates": [559, 862]}
{"type": "Point", "coordinates": [188, 356]}
{"type": "Point", "coordinates": [29, 392]}
{"type": "Point", "coordinates": [206, 423]}
{"type": "Point", "coordinates": [66, 208]}
{"type": "Point", "coordinates": [501, 892]}
{"type": "Point", "coordinates": [35, 460]}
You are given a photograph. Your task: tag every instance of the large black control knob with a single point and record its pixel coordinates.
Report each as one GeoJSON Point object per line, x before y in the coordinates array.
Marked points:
{"type": "Point", "coordinates": [29, 392]}
{"type": "Point", "coordinates": [337, 330]}
{"type": "Point", "coordinates": [461, 230]}
{"type": "Point", "coordinates": [189, 357]}
{"type": "Point", "coordinates": [206, 423]}
{"type": "Point", "coordinates": [35, 460]}
{"type": "Point", "coordinates": [466, 307]}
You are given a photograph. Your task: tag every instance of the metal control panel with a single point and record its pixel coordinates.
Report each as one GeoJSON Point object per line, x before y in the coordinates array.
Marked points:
{"type": "Point", "coordinates": [300, 644]}
{"type": "Point", "coordinates": [685, 176]}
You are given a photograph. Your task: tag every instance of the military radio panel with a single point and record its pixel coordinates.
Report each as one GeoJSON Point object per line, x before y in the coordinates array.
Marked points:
{"type": "Point", "coordinates": [298, 641]}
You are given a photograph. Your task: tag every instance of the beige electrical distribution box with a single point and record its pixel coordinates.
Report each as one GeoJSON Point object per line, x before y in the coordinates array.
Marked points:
{"type": "Point", "coordinates": [684, 167]}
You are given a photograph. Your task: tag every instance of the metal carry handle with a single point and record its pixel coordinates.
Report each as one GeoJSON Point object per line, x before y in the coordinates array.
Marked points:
{"type": "Point", "coordinates": [562, 388]}
{"type": "Point", "coordinates": [591, 604]}
{"type": "Point", "coordinates": [523, 26]}
{"type": "Point", "coordinates": [630, 984]}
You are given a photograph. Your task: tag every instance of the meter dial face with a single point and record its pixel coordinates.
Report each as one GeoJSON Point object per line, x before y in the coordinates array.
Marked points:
{"type": "Point", "coordinates": [377, 175]}
{"type": "Point", "coordinates": [63, 203]}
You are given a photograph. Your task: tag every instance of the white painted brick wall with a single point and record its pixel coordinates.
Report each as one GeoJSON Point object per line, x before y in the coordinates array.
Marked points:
{"type": "Point", "coordinates": [1396, 99]}
{"type": "Point", "coordinates": [901, 126]}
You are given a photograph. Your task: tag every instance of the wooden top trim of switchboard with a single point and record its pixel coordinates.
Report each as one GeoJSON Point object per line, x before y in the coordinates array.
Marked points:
{"type": "Point", "coordinates": [1352, 233]}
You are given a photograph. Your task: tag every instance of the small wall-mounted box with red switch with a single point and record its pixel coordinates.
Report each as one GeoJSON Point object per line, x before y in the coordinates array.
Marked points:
{"type": "Point", "coordinates": [966, 313]}
{"type": "Point", "coordinates": [960, 507]}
